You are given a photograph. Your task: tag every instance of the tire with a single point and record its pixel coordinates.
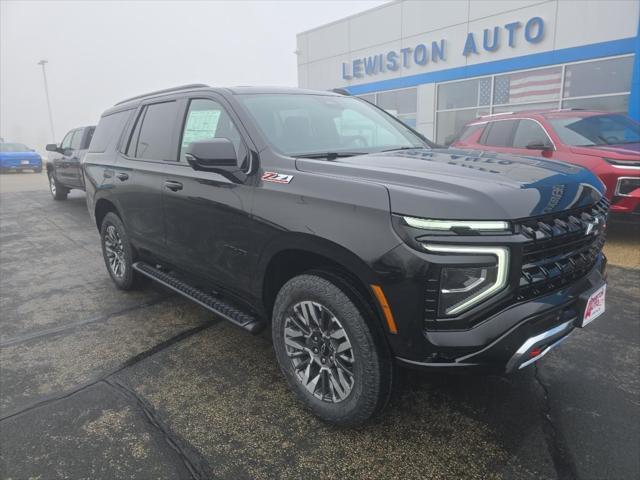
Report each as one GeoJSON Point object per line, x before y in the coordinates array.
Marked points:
{"type": "Point", "coordinates": [58, 191]}
{"type": "Point", "coordinates": [38, 170]}
{"type": "Point", "coordinates": [115, 244]}
{"type": "Point", "coordinates": [334, 396]}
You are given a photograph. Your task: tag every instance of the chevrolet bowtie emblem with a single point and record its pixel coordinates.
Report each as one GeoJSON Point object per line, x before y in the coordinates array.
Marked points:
{"type": "Point", "coordinates": [592, 226]}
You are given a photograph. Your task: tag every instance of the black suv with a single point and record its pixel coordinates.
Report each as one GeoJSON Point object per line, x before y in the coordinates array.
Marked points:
{"type": "Point", "coordinates": [361, 244]}
{"type": "Point", "coordinates": [64, 165]}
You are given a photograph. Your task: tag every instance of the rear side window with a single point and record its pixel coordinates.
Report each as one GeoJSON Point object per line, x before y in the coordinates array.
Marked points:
{"type": "Point", "coordinates": [152, 137]}
{"type": "Point", "coordinates": [87, 140]}
{"type": "Point", "coordinates": [528, 132]}
{"type": "Point", "coordinates": [499, 134]}
{"type": "Point", "coordinates": [108, 130]}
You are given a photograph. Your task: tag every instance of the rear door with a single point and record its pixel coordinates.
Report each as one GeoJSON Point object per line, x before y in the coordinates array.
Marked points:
{"type": "Point", "coordinates": [207, 216]}
{"type": "Point", "coordinates": [498, 136]}
{"type": "Point", "coordinates": [139, 173]}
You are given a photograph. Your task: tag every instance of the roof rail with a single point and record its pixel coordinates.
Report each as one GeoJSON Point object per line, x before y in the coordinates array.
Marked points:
{"type": "Point", "coordinates": [166, 90]}
{"type": "Point", "coordinates": [496, 114]}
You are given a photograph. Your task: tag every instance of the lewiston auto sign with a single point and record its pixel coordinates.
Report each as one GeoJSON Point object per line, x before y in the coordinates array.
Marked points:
{"type": "Point", "coordinates": [490, 40]}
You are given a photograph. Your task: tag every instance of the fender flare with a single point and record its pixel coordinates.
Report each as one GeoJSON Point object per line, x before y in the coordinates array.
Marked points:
{"type": "Point", "coordinates": [315, 245]}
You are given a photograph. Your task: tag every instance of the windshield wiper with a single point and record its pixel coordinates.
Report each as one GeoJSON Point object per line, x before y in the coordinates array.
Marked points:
{"type": "Point", "coordinates": [330, 155]}
{"type": "Point", "coordinates": [399, 148]}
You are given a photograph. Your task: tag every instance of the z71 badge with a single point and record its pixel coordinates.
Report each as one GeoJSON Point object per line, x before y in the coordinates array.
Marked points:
{"type": "Point", "coordinates": [276, 177]}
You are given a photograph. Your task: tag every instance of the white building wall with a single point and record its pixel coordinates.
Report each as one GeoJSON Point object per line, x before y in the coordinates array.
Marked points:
{"type": "Point", "coordinates": [568, 23]}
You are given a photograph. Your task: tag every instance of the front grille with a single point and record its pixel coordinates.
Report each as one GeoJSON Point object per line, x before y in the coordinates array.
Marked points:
{"type": "Point", "coordinates": [557, 253]}
{"type": "Point", "coordinates": [562, 248]}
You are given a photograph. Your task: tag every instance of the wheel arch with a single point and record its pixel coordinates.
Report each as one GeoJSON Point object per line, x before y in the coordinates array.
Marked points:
{"type": "Point", "coordinates": [104, 206]}
{"type": "Point", "coordinates": [299, 253]}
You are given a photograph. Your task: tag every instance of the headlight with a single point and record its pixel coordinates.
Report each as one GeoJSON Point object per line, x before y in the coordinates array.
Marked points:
{"type": "Point", "coordinates": [634, 164]}
{"type": "Point", "coordinates": [463, 287]}
{"type": "Point", "coordinates": [478, 225]}
{"type": "Point", "coordinates": [626, 186]}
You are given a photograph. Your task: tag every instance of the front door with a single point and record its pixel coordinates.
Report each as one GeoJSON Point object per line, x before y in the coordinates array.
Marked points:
{"type": "Point", "coordinates": [207, 220]}
{"type": "Point", "coordinates": [70, 164]}
{"type": "Point", "coordinates": [61, 160]}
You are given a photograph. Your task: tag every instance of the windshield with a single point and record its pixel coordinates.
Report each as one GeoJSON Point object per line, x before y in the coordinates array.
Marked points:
{"type": "Point", "coordinates": [608, 129]}
{"type": "Point", "coordinates": [13, 147]}
{"type": "Point", "coordinates": [299, 125]}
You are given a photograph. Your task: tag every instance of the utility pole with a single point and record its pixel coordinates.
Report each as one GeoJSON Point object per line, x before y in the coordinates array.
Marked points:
{"type": "Point", "coordinates": [46, 92]}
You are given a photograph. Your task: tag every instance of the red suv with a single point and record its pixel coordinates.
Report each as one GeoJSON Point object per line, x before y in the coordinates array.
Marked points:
{"type": "Point", "coordinates": [608, 144]}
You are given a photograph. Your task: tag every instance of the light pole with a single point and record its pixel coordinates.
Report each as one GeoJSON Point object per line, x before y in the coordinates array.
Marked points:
{"type": "Point", "coordinates": [46, 92]}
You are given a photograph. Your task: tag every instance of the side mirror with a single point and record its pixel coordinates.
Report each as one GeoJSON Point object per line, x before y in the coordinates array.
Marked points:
{"type": "Point", "coordinates": [51, 147]}
{"type": "Point", "coordinates": [536, 145]}
{"type": "Point", "coordinates": [213, 155]}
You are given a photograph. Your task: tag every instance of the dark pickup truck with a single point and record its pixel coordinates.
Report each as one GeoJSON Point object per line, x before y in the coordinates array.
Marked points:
{"type": "Point", "coordinates": [64, 165]}
{"type": "Point", "coordinates": [358, 242]}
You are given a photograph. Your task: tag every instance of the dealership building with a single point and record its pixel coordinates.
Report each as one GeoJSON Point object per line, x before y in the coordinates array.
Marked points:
{"type": "Point", "coordinates": [438, 64]}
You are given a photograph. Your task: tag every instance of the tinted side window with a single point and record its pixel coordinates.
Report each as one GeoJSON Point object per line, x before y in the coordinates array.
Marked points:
{"type": "Point", "coordinates": [469, 131]}
{"type": "Point", "coordinates": [109, 128]}
{"type": "Point", "coordinates": [87, 138]}
{"type": "Point", "coordinates": [66, 141]}
{"type": "Point", "coordinates": [153, 136]}
{"type": "Point", "coordinates": [76, 143]}
{"type": "Point", "coordinates": [499, 134]}
{"type": "Point", "coordinates": [208, 119]}
{"type": "Point", "coordinates": [528, 132]}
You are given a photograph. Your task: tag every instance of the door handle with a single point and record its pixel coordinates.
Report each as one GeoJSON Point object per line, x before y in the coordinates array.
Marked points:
{"type": "Point", "coordinates": [173, 186]}
{"type": "Point", "coordinates": [122, 176]}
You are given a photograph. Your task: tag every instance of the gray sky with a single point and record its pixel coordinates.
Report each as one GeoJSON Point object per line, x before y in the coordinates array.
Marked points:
{"type": "Point", "coordinates": [102, 52]}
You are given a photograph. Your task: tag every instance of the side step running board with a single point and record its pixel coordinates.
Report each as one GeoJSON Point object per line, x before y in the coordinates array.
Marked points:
{"type": "Point", "coordinates": [216, 305]}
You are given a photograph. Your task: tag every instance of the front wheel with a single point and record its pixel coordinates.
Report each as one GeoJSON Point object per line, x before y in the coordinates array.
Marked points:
{"type": "Point", "coordinates": [58, 191]}
{"type": "Point", "coordinates": [328, 351]}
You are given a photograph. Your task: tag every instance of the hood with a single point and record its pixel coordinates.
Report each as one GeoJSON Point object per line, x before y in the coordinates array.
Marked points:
{"type": "Point", "coordinates": [623, 151]}
{"type": "Point", "coordinates": [462, 184]}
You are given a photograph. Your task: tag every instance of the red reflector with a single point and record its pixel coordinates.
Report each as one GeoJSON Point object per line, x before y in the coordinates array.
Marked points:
{"type": "Point", "coordinates": [535, 352]}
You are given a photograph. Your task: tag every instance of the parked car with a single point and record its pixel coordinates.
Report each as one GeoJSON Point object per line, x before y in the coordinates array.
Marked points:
{"type": "Point", "coordinates": [63, 167]}
{"type": "Point", "coordinates": [18, 157]}
{"type": "Point", "coordinates": [608, 144]}
{"type": "Point", "coordinates": [361, 246]}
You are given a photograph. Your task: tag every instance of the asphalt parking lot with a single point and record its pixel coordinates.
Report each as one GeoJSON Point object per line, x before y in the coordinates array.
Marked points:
{"type": "Point", "coordinates": [98, 383]}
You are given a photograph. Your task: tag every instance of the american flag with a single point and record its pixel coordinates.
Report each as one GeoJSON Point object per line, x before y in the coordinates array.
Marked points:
{"type": "Point", "coordinates": [534, 86]}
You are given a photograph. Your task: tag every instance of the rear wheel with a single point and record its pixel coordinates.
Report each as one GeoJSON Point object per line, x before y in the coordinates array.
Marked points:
{"type": "Point", "coordinates": [58, 191]}
{"type": "Point", "coordinates": [328, 352]}
{"type": "Point", "coordinates": [118, 253]}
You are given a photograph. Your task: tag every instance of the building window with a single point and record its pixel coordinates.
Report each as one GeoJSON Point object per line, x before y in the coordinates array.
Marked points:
{"type": "Point", "coordinates": [590, 85]}
{"type": "Point", "coordinates": [598, 78]}
{"type": "Point", "coordinates": [402, 104]}
{"type": "Point", "coordinates": [467, 93]}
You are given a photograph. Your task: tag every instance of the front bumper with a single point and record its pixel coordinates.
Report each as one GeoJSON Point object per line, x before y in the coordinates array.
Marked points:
{"type": "Point", "coordinates": [626, 208]}
{"type": "Point", "coordinates": [504, 342]}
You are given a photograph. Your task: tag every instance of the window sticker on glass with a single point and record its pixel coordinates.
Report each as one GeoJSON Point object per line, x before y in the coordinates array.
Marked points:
{"type": "Point", "coordinates": [201, 124]}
